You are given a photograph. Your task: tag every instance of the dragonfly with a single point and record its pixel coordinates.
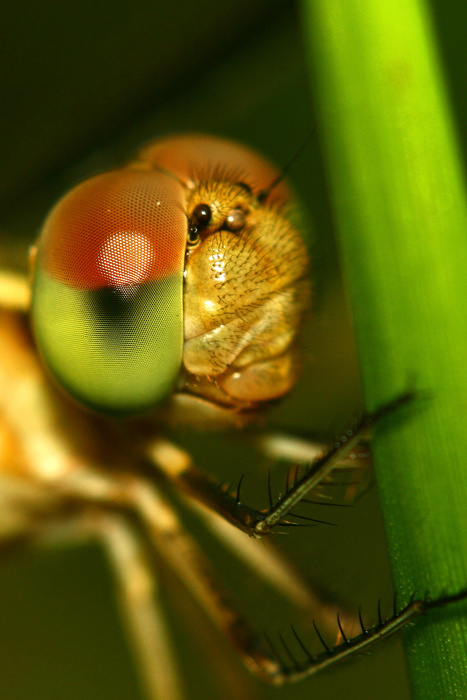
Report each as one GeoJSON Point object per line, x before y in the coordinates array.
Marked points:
{"type": "Point", "coordinates": [172, 291]}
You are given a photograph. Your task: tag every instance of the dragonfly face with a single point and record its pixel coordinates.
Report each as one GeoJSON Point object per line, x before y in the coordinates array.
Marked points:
{"type": "Point", "coordinates": [181, 275]}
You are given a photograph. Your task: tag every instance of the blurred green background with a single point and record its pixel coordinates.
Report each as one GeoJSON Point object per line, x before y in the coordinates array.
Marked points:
{"type": "Point", "coordinates": [83, 85]}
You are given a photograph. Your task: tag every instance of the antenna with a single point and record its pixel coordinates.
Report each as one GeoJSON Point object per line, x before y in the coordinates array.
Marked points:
{"type": "Point", "coordinates": [264, 194]}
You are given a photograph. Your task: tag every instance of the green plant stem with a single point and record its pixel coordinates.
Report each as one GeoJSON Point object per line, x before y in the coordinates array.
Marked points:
{"type": "Point", "coordinates": [398, 190]}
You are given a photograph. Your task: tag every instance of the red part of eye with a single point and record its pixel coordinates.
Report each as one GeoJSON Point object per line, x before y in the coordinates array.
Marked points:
{"type": "Point", "coordinates": [194, 156]}
{"type": "Point", "coordinates": [121, 228]}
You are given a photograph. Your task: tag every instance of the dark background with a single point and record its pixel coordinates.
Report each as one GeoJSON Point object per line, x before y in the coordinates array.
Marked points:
{"type": "Point", "coordinates": [83, 85]}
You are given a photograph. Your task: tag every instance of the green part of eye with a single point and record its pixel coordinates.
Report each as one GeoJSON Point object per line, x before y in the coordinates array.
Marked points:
{"type": "Point", "coordinates": [118, 351]}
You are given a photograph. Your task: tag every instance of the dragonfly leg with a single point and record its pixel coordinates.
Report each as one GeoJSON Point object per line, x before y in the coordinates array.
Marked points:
{"type": "Point", "coordinates": [168, 537]}
{"type": "Point", "coordinates": [177, 466]}
{"type": "Point", "coordinates": [141, 608]}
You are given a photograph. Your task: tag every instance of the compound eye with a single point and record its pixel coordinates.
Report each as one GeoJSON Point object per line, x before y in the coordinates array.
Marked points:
{"type": "Point", "coordinates": [235, 220]}
{"type": "Point", "coordinates": [108, 290]}
{"type": "Point", "coordinates": [201, 215]}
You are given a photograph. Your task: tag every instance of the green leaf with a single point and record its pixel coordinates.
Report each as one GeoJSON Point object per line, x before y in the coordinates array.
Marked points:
{"type": "Point", "coordinates": [399, 196]}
